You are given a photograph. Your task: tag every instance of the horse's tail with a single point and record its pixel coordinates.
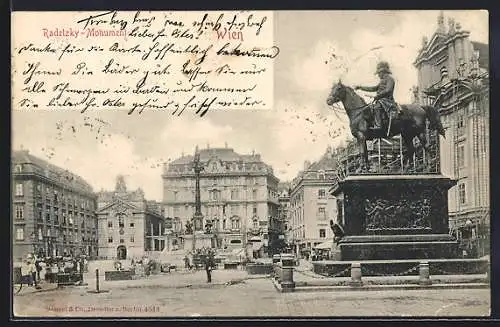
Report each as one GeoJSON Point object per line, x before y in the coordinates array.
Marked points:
{"type": "Point", "coordinates": [434, 120]}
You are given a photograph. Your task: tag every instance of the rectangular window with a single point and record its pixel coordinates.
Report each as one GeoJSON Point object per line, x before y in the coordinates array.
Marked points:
{"type": "Point", "coordinates": [110, 224]}
{"type": "Point", "coordinates": [131, 239]}
{"type": "Point", "coordinates": [461, 156]}
{"type": "Point", "coordinates": [321, 213]}
{"type": "Point", "coordinates": [460, 125]}
{"type": "Point", "coordinates": [110, 239]}
{"type": "Point", "coordinates": [176, 211]}
{"type": "Point", "coordinates": [234, 194]}
{"type": "Point", "coordinates": [122, 240]}
{"type": "Point", "coordinates": [19, 212]}
{"type": "Point", "coordinates": [321, 194]}
{"type": "Point", "coordinates": [20, 233]}
{"type": "Point", "coordinates": [254, 194]}
{"type": "Point", "coordinates": [254, 211]}
{"type": "Point", "coordinates": [462, 194]}
{"type": "Point", "coordinates": [19, 189]}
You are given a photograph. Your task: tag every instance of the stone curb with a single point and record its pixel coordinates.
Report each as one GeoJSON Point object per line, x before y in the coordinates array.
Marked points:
{"type": "Point", "coordinates": [36, 291]}
{"type": "Point", "coordinates": [278, 287]}
{"type": "Point", "coordinates": [178, 286]}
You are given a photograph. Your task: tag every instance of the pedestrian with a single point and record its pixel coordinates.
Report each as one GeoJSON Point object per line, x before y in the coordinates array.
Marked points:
{"type": "Point", "coordinates": [38, 268]}
{"type": "Point", "coordinates": [209, 265]}
{"type": "Point", "coordinates": [32, 272]}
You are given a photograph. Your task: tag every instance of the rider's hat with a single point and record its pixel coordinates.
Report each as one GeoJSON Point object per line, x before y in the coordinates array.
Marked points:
{"type": "Point", "coordinates": [383, 66]}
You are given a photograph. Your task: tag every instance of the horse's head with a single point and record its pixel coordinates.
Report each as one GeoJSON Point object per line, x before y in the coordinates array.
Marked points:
{"type": "Point", "coordinates": [337, 93]}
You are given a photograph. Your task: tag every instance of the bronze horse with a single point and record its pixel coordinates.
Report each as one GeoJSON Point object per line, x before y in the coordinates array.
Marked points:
{"type": "Point", "coordinates": [410, 122]}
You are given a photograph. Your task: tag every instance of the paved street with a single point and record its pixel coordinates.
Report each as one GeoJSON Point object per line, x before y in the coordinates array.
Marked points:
{"type": "Point", "coordinates": [232, 294]}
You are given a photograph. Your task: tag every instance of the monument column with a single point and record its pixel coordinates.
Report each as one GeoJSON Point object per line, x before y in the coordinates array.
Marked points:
{"type": "Point", "coordinates": [198, 216]}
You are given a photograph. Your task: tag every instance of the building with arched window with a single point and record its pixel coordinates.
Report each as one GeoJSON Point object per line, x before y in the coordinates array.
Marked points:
{"type": "Point", "coordinates": [238, 195]}
{"type": "Point", "coordinates": [453, 75]}
{"type": "Point", "coordinates": [129, 226]}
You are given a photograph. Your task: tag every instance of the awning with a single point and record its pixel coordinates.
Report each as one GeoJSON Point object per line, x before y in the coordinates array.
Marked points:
{"type": "Point", "coordinates": [324, 246]}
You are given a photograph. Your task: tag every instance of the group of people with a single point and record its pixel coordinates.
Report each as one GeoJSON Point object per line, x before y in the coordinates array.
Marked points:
{"type": "Point", "coordinates": [46, 268]}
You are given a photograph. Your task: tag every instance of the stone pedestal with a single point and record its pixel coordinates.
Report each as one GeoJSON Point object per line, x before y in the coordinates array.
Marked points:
{"type": "Point", "coordinates": [395, 217]}
{"type": "Point", "coordinates": [202, 241]}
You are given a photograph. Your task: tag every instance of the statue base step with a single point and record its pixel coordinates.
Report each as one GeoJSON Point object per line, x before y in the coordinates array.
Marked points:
{"type": "Point", "coordinates": [394, 247]}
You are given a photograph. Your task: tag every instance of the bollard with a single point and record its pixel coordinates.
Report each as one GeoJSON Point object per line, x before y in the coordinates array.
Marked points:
{"type": "Point", "coordinates": [356, 274]}
{"type": "Point", "coordinates": [424, 276]}
{"type": "Point", "coordinates": [287, 283]}
{"type": "Point", "coordinates": [97, 280]}
{"type": "Point", "coordinates": [488, 272]}
{"type": "Point", "coordinates": [97, 286]}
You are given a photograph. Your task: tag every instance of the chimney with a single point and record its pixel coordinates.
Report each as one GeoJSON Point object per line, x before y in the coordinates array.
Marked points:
{"type": "Point", "coordinates": [307, 164]}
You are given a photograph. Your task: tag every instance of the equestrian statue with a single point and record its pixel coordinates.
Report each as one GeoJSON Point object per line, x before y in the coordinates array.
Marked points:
{"type": "Point", "coordinates": [384, 118]}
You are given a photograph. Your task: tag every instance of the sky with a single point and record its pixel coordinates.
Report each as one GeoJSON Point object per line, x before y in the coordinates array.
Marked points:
{"type": "Point", "coordinates": [316, 49]}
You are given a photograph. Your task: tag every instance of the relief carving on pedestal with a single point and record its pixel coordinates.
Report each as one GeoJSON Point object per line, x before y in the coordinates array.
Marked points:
{"type": "Point", "coordinates": [398, 212]}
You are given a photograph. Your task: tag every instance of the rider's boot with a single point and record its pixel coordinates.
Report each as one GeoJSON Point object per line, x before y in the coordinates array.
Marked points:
{"type": "Point", "coordinates": [377, 123]}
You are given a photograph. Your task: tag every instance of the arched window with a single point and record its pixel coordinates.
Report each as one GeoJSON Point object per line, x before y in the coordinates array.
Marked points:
{"type": "Point", "coordinates": [321, 174]}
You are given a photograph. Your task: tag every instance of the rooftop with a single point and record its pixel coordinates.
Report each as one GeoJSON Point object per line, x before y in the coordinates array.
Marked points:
{"type": "Point", "coordinates": [45, 168]}
{"type": "Point", "coordinates": [223, 154]}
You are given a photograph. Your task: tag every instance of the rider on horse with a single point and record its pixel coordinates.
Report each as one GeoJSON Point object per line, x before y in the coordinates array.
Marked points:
{"type": "Point", "coordinates": [384, 100]}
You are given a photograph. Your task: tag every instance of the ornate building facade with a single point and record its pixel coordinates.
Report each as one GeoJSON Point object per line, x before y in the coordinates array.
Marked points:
{"type": "Point", "coordinates": [129, 226]}
{"type": "Point", "coordinates": [453, 74]}
{"type": "Point", "coordinates": [239, 194]}
{"type": "Point", "coordinates": [278, 227]}
{"type": "Point", "coordinates": [53, 210]}
{"type": "Point", "coordinates": [311, 205]}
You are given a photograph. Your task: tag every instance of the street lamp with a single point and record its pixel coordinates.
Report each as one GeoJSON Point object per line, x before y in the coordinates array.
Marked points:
{"type": "Point", "coordinates": [33, 239]}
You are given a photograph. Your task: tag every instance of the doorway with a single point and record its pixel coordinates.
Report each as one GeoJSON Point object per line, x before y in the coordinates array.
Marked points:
{"type": "Point", "coordinates": [121, 252]}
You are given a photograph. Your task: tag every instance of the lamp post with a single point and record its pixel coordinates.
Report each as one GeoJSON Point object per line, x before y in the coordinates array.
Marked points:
{"type": "Point", "coordinates": [33, 239]}
{"type": "Point", "coordinates": [469, 227]}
